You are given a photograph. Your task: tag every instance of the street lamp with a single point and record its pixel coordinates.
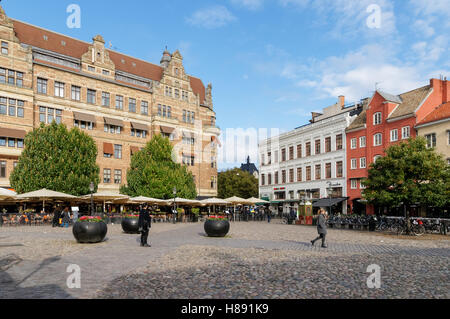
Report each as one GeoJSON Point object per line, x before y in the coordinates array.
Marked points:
{"type": "Point", "coordinates": [174, 199]}
{"type": "Point", "coordinates": [330, 194]}
{"type": "Point", "coordinates": [91, 188]}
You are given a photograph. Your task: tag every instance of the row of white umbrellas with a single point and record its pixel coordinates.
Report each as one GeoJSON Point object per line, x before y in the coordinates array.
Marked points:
{"type": "Point", "coordinates": [45, 195]}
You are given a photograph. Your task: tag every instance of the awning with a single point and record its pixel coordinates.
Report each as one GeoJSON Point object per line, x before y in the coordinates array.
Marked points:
{"type": "Point", "coordinates": [167, 130]}
{"type": "Point", "coordinates": [108, 148]}
{"type": "Point", "coordinates": [9, 132]}
{"type": "Point", "coordinates": [84, 117]}
{"type": "Point", "coordinates": [188, 134]}
{"type": "Point", "coordinates": [215, 139]}
{"type": "Point", "coordinates": [327, 202]}
{"type": "Point", "coordinates": [134, 149]}
{"type": "Point", "coordinates": [114, 122]}
{"type": "Point", "coordinates": [189, 154]}
{"type": "Point", "coordinates": [139, 126]}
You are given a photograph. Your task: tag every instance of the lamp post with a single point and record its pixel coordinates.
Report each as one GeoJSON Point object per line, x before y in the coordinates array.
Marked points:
{"type": "Point", "coordinates": [330, 193]}
{"type": "Point", "coordinates": [91, 188]}
{"type": "Point", "coordinates": [174, 200]}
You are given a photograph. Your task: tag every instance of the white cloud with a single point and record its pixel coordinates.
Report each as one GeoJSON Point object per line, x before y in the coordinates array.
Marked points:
{"type": "Point", "coordinates": [212, 17]}
{"type": "Point", "coordinates": [348, 18]}
{"type": "Point", "coordinates": [424, 26]}
{"type": "Point", "coordinates": [249, 4]}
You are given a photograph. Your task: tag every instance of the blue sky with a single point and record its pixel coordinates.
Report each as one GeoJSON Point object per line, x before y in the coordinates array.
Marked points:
{"type": "Point", "coordinates": [271, 62]}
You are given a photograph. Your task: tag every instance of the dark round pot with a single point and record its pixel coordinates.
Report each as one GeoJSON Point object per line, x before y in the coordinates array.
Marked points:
{"type": "Point", "coordinates": [217, 228]}
{"type": "Point", "coordinates": [89, 233]}
{"type": "Point", "coordinates": [130, 225]}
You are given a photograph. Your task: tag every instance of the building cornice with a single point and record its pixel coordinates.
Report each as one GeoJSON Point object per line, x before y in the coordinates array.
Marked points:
{"type": "Point", "coordinates": [433, 123]}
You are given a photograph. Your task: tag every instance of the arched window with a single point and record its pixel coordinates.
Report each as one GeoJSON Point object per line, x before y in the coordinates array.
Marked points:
{"type": "Point", "coordinates": [377, 118]}
{"type": "Point", "coordinates": [377, 139]}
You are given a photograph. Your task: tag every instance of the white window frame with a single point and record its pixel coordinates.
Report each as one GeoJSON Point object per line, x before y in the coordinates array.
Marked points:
{"type": "Point", "coordinates": [362, 142]}
{"type": "Point", "coordinates": [353, 183]}
{"type": "Point", "coordinates": [362, 162]}
{"type": "Point", "coordinates": [394, 137]}
{"type": "Point", "coordinates": [375, 139]}
{"type": "Point", "coordinates": [377, 118]}
{"type": "Point", "coordinates": [406, 129]}
{"type": "Point", "coordinates": [59, 89]}
{"type": "Point", "coordinates": [353, 143]}
{"type": "Point", "coordinates": [376, 158]}
{"type": "Point", "coordinates": [354, 163]}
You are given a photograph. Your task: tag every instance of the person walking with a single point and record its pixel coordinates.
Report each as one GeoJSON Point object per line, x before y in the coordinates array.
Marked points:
{"type": "Point", "coordinates": [56, 217]}
{"type": "Point", "coordinates": [65, 216]}
{"type": "Point", "coordinates": [321, 228]}
{"type": "Point", "coordinates": [145, 223]}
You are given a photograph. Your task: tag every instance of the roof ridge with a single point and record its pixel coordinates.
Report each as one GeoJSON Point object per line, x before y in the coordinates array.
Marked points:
{"type": "Point", "coordinates": [417, 89]}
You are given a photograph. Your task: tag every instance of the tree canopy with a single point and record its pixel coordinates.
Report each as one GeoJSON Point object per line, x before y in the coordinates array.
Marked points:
{"type": "Point", "coordinates": [154, 173]}
{"type": "Point", "coordinates": [57, 159]}
{"type": "Point", "coordinates": [235, 182]}
{"type": "Point", "coordinates": [410, 173]}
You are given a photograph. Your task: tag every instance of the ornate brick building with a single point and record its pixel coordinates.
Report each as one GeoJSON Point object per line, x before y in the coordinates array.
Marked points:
{"type": "Point", "coordinates": [119, 100]}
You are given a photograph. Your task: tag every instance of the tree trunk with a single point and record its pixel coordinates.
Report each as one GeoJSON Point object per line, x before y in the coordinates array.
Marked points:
{"type": "Point", "coordinates": [407, 220]}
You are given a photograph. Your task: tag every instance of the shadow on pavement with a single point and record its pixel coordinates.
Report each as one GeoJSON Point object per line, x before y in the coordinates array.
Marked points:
{"type": "Point", "coordinates": [10, 288]}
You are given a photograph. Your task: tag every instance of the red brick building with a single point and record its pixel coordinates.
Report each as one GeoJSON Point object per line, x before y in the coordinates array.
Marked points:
{"type": "Point", "coordinates": [386, 120]}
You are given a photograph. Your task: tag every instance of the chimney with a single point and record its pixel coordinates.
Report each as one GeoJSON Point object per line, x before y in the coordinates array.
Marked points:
{"type": "Point", "coordinates": [445, 91]}
{"type": "Point", "coordinates": [342, 101]}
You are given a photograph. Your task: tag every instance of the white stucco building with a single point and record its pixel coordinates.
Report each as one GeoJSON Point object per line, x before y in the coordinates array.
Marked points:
{"type": "Point", "coordinates": [302, 164]}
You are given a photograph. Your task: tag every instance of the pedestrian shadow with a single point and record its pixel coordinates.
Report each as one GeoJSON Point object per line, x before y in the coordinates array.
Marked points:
{"type": "Point", "coordinates": [10, 288]}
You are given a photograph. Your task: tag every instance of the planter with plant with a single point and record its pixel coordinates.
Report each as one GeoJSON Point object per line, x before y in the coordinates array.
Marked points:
{"type": "Point", "coordinates": [90, 230]}
{"type": "Point", "coordinates": [130, 223]}
{"type": "Point", "coordinates": [217, 226]}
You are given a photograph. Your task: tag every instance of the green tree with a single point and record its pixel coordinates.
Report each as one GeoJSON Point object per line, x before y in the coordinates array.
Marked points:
{"type": "Point", "coordinates": [57, 159]}
{"type": "Point", "coordinates": [153, 173]}
{"type": "Point", "coordinates": [235, 182]}
{"type": "Point", "coordinates": [410, 173]}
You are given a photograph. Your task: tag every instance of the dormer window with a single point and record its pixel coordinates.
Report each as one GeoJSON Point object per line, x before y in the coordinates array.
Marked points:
{"type": "Point", "coordinates": [45, 38]}
{"type": "Point", "coordinates": [377, 118]}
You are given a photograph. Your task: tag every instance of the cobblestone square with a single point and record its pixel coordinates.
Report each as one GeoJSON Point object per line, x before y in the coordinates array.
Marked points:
{"type": "Point", "coordinates": [256, 260]}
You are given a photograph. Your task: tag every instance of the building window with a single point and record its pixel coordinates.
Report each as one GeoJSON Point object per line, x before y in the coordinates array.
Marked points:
{"type": "Point", "coordinates": [328, 145]}
{"type": "Point", "coordinates": [339, 145]}
{"type": "Point", "coordinates": [376, 158]}
{"type": "Point", "coordinates": [406, 132]}
{"type": "Point", "coordinates": [42, 86]}
{"type": "Point", "coordinates": [299, 174]}
{"type": "Point", "coordinates": [318, 172]}
{"type": "Point", "coordinates": [354, 163]}
{"type": "Point", "coordinates": [362, 162]}
{"type": "Point", "coordinates": [3, 169]}
{"type": "Point", "coordinates": [20, 109]}
{"type": "Point", "coordinates": [48, 115]}
{"type": "Point", "coordinates": [283, 177]}
{"type": "Point", "coordinates": [377, 118]}
{"type": "Point", "coordinates": [263, 179]}
{"type": "Point", "coordinates": [138, 133]}
{"type": "Point", "coordinates": [377, 139]}
{"type": "Point", "coordinates": [283, 155]}
{"type": "Point", "coordinates": [269, 179]}
{"type": "Point", "coordinates": [299, 151]}
{"type": "Point", "coordinates": [106, 72]}
{"type": "Point", "coordinates": [106, 176]}
{"type": "Point", "coordinates": [328, 170]}
{"type": "Point", "coordinates": [117, 176]}
{"type": "Point", "coordinates": [308, 173]}
{"type": "Point", "coordinates": [177, 93]}
{"type": "Point", "coordinates": [5, 48]}
{"type": "Point", "coordinates": [188, 160]}
{"type": "Point", "coordinates": [106, 99]}
{"type": "Point", "coordinates": [431, 140]}
{"type": "Point", "coordinates": [308, 149]}
{"type": "Point", "coordinates": [112, 129]}
{"type": "Point", "coordinates": [394, 135]}
{"type": "Point", "coordinates": [291, 153]}
{"type": "Point", "coordinates": [84, 125]}
{"type": "Point", "coordinates": [448, 137]}
{"type": "Point", "coordinates": [277, 156]}
{"type": "Point", "coordinates": [317, 147]}
{"type": "Point", "coordinates": [76, 93]}
{"type": "Point", "coordinates": [91, 96]}
{"type": "Point", "coordinates": [118, 151]}
{"type": "Point", "coordinates": [353, 143]}
{"type": "Point", "coordinates": [362, 142]}
{"type": "Point", "coordinates": [361, 185]}
{"type": "Point", "coordinates": [59, 89]}
{"type": "Point", "coordinates": [276, 178]}
{"type": "Point", "coordinates": [184, 96]}
{"type": "Point", "coordinates": [269, 158]}
{"type": "Point", "coordinates": [144, 108]}
{"type": "Point", "coordinates": [119, 102]}
{"type": "Point", "coordinates": [214, 182]}
{"type": "Point", "coordinates": [291, 175]}
{"type": "Point", "coordinates": [91, 68]}
{"type": "Point", "coordinates": [11, 142]}
{"type": "Point", "coordinates": [354, 183]}
{"type": "Point", "coordinates": [132, 105]}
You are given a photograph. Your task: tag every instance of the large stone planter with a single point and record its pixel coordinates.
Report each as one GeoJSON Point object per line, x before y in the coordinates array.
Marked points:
{"type": "Point", "coordinates": [130, 225]}
{"type": "Point", "coordinates": [89, 233]}
{"type": "Point", "coordinates": [217, 228]}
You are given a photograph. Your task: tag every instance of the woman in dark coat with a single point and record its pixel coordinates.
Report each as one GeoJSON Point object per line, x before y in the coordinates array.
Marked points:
{"type": "Point", "coordinates": [56, 217]}
{"type": "Point", "coordinates": [321, 228]}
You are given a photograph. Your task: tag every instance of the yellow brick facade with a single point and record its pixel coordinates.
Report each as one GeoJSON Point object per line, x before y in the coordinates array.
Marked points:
{"type": "Point", "coordinates": [95, 70]}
